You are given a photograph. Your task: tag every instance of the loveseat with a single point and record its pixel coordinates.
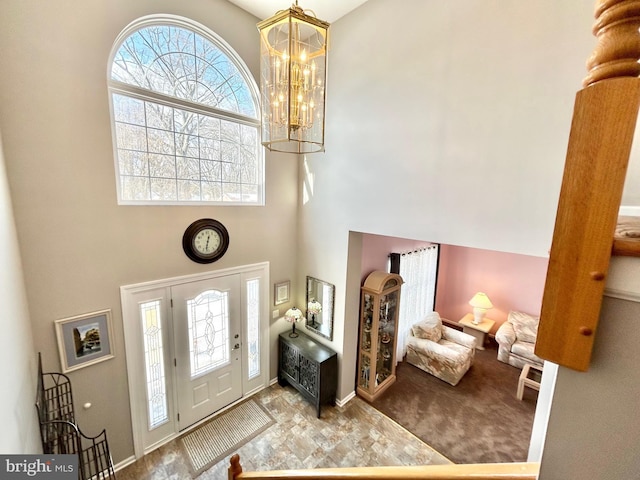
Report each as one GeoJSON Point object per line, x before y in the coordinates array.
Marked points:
{"type": "Point", "coordinates": [517, 338]}
{"type": "Point", "coordinates": [444, 352]}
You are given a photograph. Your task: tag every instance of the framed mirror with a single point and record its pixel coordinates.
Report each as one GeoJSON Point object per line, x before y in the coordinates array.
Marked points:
{"type": "Point", "coordinates": [320, 299]}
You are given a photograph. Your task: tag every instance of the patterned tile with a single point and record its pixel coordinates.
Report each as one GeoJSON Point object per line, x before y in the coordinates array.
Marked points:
{"type": "Point", "coordinates": [354, 435]}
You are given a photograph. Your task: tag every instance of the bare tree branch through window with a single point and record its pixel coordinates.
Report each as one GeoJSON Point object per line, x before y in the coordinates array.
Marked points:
{"type": "Point", "coordinates": [185, 119]}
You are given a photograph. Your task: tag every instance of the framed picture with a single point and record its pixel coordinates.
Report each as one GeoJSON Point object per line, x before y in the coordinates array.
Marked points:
{"type": "Point", "coordinates": [281, 292]}
{"type": "Point", "coordinates": [84, 340]}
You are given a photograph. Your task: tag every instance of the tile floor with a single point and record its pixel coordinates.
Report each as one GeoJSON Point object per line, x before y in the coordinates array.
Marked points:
{"type": "Point", "coordinates": [354, 435]}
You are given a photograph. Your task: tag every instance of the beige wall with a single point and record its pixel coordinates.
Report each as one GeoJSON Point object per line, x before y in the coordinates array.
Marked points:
{"type": "Point", "coordinates": [446, 122]}
{"type": "Point", "coordinates": [78, 246]}
{"type": "Point", "coordinates": [18, 365]}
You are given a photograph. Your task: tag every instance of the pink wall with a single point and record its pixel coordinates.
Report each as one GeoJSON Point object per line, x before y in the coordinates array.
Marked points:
{"type": "Point", "coordinates": [511, 281]}
{"type": "Point", "coordinates": [376, 250]}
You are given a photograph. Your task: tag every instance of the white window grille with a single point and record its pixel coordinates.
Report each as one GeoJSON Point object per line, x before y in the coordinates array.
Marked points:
{"type": "Point", "coordinates": [185, 118]}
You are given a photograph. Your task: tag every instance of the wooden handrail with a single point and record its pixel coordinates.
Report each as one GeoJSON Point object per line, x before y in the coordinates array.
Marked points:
{"type": "Point", "coordinates": [479, 471]}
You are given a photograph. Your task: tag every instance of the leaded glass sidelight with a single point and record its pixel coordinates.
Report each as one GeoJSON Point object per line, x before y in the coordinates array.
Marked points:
{"type": "Point", "coordinates": [208, 324]}
{"type": "Point", "coordinates": [150, 315]}
{"type": "Point", "coordinates": [253, 327]}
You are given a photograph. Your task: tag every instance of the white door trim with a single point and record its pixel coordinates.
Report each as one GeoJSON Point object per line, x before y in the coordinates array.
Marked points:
{"type": "Point", "coordinates": [134, 353]}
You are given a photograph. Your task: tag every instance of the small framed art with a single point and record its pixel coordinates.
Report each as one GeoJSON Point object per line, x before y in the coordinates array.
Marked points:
{"type": "Point", "coordinates": [281, 292]}
{"type": "Point", "coordinates": [84, 340]}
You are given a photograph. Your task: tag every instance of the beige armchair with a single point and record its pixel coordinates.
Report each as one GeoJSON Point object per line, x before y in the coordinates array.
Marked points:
{"type": "Point", "coordinates": [444, 352]}
{"type": "Point", "coordinates": [517, 338]}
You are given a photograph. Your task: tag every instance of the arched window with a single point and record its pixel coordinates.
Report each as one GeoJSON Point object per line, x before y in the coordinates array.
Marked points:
{"type": "Point", "coordinates": [185, 117]}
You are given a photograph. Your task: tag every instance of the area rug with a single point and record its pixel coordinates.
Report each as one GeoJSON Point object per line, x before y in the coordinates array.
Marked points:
{"type": "Point", "coordinates": [212, 441]}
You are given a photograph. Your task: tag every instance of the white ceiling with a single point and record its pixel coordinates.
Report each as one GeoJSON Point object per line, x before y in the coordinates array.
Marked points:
{"type": "Point", "coordinates": [327, 10]}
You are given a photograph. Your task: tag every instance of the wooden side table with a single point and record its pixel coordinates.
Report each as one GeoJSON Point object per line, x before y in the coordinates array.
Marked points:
{"type": "Point", "coordinates": [530, 376]}
{"type": "Point", "coordinates": [479, 331]}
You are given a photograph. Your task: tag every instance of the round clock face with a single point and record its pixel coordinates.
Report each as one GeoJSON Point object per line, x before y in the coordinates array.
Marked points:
{"type": "Point", "coordinates": [205, 240]}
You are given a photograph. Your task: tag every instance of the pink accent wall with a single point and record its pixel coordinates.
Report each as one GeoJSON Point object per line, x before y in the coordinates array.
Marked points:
{"type": "Point", "coordinates": [376, 250]}
{"type": "Point", "coordinates": [511, 281]}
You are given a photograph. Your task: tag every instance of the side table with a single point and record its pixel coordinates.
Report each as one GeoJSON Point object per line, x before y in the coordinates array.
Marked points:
{"type": "Point", "coordinates": [479, 331]}
{"type": "Point", "coordinates": [530, 376]}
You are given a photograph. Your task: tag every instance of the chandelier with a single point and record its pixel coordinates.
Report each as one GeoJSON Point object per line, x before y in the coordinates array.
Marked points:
{"type": "Point", "coordinates": [293, 72]}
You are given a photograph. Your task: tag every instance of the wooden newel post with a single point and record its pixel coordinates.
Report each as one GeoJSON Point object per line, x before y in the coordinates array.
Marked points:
{"type": "Point", "coordinates": [618, 48]}
{"type": "Point", "coordinates": [235, 468]}
{"type": "Point", "coordinates": [602, 131]}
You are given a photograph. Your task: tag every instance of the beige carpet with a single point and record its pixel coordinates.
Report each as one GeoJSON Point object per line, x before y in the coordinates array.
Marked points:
{"type": "Point", "coordinates": [212, 441]}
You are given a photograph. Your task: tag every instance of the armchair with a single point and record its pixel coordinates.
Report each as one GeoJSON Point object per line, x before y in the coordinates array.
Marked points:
{"type": "Point", "coordinates": [517, 338]}
{"type": "Point", "coordinates": [444, 352]}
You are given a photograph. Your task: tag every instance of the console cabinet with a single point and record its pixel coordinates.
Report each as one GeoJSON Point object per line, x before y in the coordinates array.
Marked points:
{"type": "Point", "coordinates": [309, 367]}
{"type": "Point", "coordinates": [379, 307]}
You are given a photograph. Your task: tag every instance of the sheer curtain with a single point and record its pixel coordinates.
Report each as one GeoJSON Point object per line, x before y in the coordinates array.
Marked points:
{"type": "Point", "coordinates": [419, 270]}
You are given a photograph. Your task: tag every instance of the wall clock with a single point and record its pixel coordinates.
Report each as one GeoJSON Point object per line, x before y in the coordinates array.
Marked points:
{"type": "Point", "coordinates": [205, 240]}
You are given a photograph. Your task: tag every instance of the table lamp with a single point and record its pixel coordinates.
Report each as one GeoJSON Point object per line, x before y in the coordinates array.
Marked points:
{"type": "Point", "coordinates": [314, 308]}
{"type": "Point", "coordinates": [293, 315]}
{"type": "Point", "coordinates": [480, 303]}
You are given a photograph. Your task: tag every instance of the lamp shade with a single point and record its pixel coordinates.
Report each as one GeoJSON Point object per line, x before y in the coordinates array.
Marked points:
{"type": "Point", "coordinates": [480, 303]}
{"type": "Point", "coordinates": [480, 300]}
{"type": "Point", "coordinates": [293, 315]}
{"type": "Point", "coordinates": [293, 72]}
{"type": "Point", "coordinates": [314, 307]}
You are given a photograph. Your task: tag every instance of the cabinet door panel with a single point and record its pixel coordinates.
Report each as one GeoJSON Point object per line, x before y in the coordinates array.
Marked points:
{"type": "Point", "coordinates": [309, 376]}
{"type": "Point", "coordinates": [289, 361]}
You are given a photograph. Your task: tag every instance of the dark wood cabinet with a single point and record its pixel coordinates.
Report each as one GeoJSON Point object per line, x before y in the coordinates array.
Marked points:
{"type": "Point", "coordinates": [309, 367]}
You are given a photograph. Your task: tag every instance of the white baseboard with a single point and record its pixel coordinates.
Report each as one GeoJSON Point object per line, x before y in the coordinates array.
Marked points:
{"type": "Point", "coordinates": [345, 400]}
{"type": "Point", "coordinates": [629, 211]}
{"type": "Point", "coordinates": [124, 463]}
{"type": "Point", "coordinates": [339, 403]}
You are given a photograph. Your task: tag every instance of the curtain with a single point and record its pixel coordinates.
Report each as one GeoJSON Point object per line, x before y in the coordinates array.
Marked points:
{"type": "Point", "coordinates": [419, 270]}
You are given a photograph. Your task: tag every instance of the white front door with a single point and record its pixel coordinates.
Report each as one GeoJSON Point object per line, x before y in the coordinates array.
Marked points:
{"type": "Point", "coordinates": [165, 396]}
{"type": "Point", "coordinates": [208, 348]}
